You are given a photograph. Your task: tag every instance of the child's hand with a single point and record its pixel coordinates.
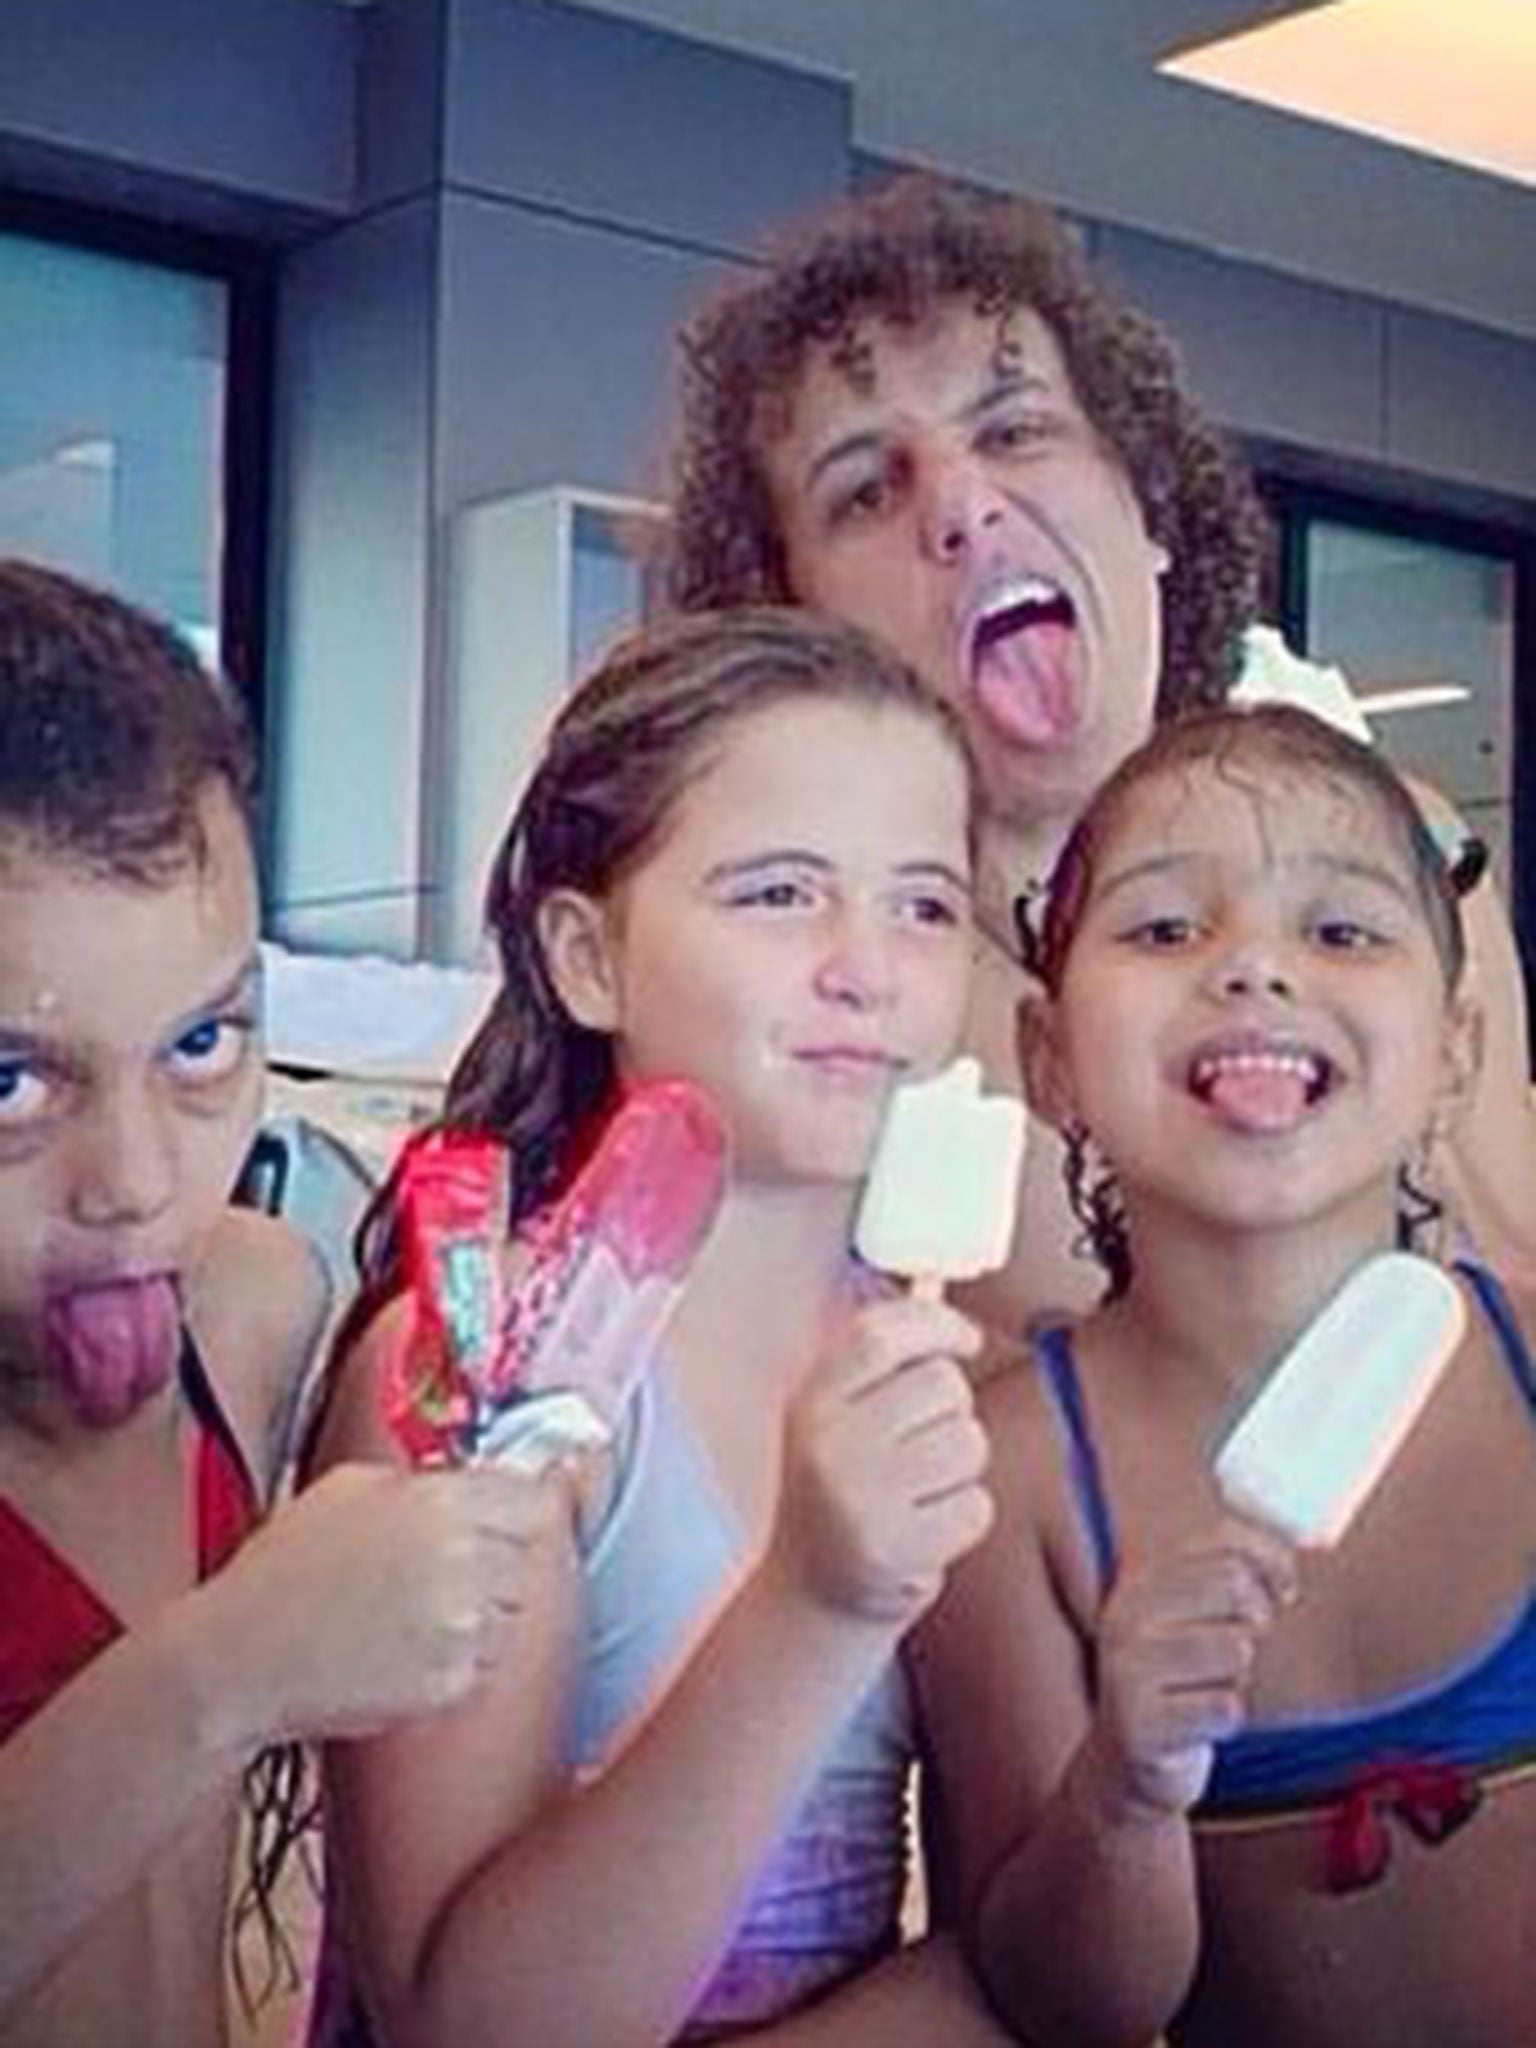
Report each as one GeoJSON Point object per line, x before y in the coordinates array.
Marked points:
{"type": "Point", "coordinates": [1175, 1652]}
{"type": "Point", "coordinates": [883, 1461]}
{"type": "Point", "coordinates": [381, 1594]}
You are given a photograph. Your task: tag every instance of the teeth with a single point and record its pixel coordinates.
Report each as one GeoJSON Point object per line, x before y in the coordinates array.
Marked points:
{"type": "Point", "coordinates": [1306, 1067]}
{"type": "Point", "coordinates": [1011, 596]}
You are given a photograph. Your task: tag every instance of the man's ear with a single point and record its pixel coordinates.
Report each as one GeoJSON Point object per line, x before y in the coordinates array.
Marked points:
{"type": "Point", "coordinates": [1041, 1065]}
{"type": "Point", "coordinates": [576, 940]}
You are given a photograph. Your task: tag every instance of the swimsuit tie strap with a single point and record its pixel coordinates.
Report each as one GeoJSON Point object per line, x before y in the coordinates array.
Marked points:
{"type": "Point", "coordinates": [1433, 1799]}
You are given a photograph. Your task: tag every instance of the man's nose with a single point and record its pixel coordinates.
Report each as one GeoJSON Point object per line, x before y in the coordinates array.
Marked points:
{"type": "Point", "coordinates": [959, 505]}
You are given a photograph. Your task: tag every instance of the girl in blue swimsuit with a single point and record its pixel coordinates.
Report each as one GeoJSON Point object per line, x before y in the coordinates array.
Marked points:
{"type": "Point", "coordinates": [1192, 1780]}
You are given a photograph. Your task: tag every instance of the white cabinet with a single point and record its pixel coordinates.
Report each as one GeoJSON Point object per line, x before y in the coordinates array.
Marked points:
{"type": "Point", "coordinates": [538, 583]}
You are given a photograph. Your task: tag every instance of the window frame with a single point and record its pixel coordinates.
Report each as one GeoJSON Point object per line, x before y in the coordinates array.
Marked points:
{"type": "Point", "coordinates": [248, 271]}
{"type": "Point", "coordinates": [1293, 502]}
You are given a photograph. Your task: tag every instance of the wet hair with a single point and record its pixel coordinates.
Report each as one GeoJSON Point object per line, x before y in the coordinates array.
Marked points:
{"type": "Point", "coordinates": [110, 729]}
{"type": "Point", "coordinates": [898, 256]}
{"type": "Point", "coordinates": [633, 736]}
{"type": "Point", "coordinates": [1243, 746]}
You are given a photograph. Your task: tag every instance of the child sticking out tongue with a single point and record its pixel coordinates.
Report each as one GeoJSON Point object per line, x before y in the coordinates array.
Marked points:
{"type": "Point", "coordinates": [114, 1344]}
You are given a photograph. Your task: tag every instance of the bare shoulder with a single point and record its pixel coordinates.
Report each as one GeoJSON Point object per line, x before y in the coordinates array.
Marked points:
{"type": "Point", "coordinates": [258, 1309]}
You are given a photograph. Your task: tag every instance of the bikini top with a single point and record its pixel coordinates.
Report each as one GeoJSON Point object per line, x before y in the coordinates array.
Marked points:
{"type": "Point", "coordinates": [1478, 1715]}
{"type": "Point", "coordinates": [53, 1623]}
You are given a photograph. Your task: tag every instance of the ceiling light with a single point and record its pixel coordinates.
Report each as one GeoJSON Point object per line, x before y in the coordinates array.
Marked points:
{"type": "Point", "coordinates": [1453, 80]}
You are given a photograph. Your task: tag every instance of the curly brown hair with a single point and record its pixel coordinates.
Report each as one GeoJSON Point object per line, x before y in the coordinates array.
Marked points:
{"type": "Point", "coordinates": [895, 255]}
{"type": "Point", "coordinates": [110, 728]}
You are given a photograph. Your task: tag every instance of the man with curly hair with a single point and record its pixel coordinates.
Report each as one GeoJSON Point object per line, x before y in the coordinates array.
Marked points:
{"type": "Point", "coordinates": [929, 416]}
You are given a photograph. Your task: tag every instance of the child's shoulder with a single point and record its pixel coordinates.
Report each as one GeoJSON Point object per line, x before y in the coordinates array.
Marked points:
{"type": "Point", "coordinates": [257, 1308]}
{"type": "Point", "coordinates": [1017, 1410]}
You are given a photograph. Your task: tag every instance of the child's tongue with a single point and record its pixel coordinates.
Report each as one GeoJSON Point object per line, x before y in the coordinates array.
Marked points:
{"type": "Point", "coordinates": [1027, 686]}
{"type": "Point", "coordinates": [1259, 1098]}
{"type": "Point", "coordinates": [115, 1345]}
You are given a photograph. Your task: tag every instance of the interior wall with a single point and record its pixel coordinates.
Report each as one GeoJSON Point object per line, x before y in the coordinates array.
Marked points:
{"type": "Point", "coordinates": [490, 216]}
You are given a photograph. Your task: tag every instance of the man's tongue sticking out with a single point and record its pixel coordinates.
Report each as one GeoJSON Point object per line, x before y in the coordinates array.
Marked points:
{"type": "Point", "coordinates": [114, 1345]}
{"type": "Point", "coordinates": [1025, 677]}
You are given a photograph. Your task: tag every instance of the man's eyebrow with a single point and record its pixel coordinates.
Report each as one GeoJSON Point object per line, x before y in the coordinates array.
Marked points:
{"type": "Point", "coordinates": [1003, 385]}
{"type": "Point", "coordinates": [866, 441]}
{"type": "Point", "coordinates": [1000, 386]}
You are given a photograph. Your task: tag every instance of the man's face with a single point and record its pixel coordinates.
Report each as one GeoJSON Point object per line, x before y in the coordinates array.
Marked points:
{"type": "Point", "coordinates": [942, 487]}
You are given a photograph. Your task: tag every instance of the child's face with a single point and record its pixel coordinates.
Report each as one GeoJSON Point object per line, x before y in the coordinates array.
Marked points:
{"type": "Point", "coordinates": [800, 938]}
{"type": "Point", "coordinates": [1253, 1019]}
{"type": "Point", "coordinates": [130, 1077]}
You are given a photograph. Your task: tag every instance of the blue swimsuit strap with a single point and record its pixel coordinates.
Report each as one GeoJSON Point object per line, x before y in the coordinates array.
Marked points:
{"type": "Point", "coordinates": [1499, 1310]}
{"type": "Point", "coordinates": [1053, 1349]}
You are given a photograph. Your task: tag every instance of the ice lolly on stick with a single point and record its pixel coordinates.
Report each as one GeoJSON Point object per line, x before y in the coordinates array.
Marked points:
{"type": "Point", "coordinates": [939, 1201]}
{"type": "Point", "coordinates": [609, 1260]}
{"type": "Point", "coordinates": [522, 1371]}
{"type": "Point", "coordinates": [1331, 1416]}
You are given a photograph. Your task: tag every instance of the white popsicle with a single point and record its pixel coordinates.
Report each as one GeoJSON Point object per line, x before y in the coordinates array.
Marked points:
{"type": "Point", "coordinates": [1332, 1415]}
{"type": "Point", "coordinates": [939, 1201]}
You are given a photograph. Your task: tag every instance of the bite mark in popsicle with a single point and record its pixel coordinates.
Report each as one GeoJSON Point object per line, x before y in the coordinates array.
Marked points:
{"type": "Point", "coordinates": [1332, 1415]}
{"type": "Point", "coordinates": [944, 1180]}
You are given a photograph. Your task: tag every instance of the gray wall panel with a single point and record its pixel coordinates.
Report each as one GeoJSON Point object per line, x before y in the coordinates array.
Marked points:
{"type": "Point", "coordinates": [401, 87]}
{"type": "Point", "coordinates": [1461, 402]}
{"type": "Point", "coordinates": [1268, 355]}
{"type": "Point", "coordinates": [354, 426]}
{"type": "Point", "coordinates": [250, 95]}
{"type": "Point", "coordinates": [619, 123]}
{"type": "Point", "coordinates": [557, 344]}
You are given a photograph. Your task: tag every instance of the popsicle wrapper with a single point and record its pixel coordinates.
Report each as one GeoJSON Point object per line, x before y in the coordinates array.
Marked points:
{"type": "Point", "coordinates": [452, 1208]}
{"type": "Point", "coordinates": [549, 1361]}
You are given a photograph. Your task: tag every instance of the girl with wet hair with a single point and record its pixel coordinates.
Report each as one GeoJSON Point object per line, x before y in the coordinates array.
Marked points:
{"type": "Point", "coordinates": [743, 860]}
{"type": "Point", "coordinates": [1197, 1781]}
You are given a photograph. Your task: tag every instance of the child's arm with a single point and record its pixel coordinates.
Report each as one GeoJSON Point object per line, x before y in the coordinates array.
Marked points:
{"type": "Point", "coordinates": [1059, 1800]}
{"type": "Point", "coordinates": [598, 1921]}
{"type": "Point", "coordinates": [416, 1810]}
{"type": "Point", "coordinates": [373, 1597]}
